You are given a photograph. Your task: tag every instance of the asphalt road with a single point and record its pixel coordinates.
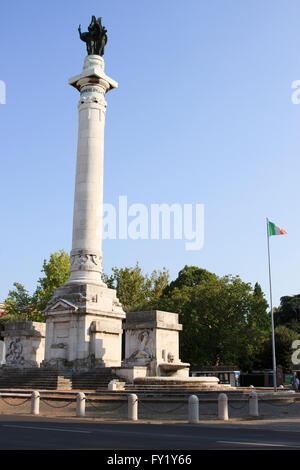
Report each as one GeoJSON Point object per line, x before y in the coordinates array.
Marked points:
{"type": "Point", "coordinates": [39, 433]}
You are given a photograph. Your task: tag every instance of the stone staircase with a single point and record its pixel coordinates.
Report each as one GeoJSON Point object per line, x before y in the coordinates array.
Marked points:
{"type": "Point", "coordinates": [50, 379]}
{"type": "Point", "coordinates": [177, 391]}
{"type": "Point", "coordinates": [94, 379]}
{"type": "Point", "coordinates": [134, 388]}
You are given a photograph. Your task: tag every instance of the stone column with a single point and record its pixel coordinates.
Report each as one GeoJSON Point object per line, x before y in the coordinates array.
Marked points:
{"type": "Point", "coordinates": [84, 317]}
{"type": "Point", "coordinates": [86, 254]}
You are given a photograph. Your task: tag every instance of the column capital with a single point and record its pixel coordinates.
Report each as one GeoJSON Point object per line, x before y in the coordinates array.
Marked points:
{"type": "Point", "coordinates": [93, 73]}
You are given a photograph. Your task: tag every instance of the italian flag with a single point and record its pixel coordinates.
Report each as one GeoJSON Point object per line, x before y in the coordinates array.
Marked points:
{"type": "Point", "coordinates": [274, 230]}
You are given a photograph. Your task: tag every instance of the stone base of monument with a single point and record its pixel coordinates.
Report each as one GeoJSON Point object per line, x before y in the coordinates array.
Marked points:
{"type": "Point", "coordinates": [24, 344]}
{"type": "Point", "coordinates": [152, 354]}
{"type": "Point", "coordinates": [83, 347]}
{"type": "Point", "coordinates": [152, 341]}
{"type": "Point", "coordinates": [181, 383]}
{"type": "Point", "coordinates": [167, 383]}
{"type": "Point", "coordinates": [84, 328]}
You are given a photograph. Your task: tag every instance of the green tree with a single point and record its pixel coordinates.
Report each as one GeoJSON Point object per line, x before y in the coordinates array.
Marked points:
{"type": "Point", "coordinates": [135, 290]}
{"type": "Point", "coordinates": [223, 318]}
{"type": "Point", "coordinates": [288, 313]}
{"type": "Point", "coordinates": [259, 312]}
{"type": "Point", "coordinates": [190, 276]}
{"type": "Point", "coordinates": [56, 273]}
{"type": "Point", "coordinates": [284, 338]}
{"type": "Point", "coordinates": [19, 305]}
{"type": "Point", "coordinates": [156, 283]}
{"type": "Point", "coordinates": [258, 330]}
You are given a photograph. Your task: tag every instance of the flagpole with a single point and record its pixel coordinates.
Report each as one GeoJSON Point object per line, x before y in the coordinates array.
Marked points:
{"type": "Point", "coordinates": [272, 316]}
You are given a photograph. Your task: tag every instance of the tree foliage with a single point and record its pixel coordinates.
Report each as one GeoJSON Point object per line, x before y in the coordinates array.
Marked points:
{"type": "Point", "coordinates": [190, 276]}
{"type": "Point", "coordinates": [135, 290]}
{"type": "Point", "coordinates": [21, 306]}
{"type": "Point", "coordinates": [284, 338]}
{"type": "Point", "coordinates": [224, 319]}
{"type": "Point", "coordinates": [56, 273]}
{"type": "Point", "coordinates": [288, 313]}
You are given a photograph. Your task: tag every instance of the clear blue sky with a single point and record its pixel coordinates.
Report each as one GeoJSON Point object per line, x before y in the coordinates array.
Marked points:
{"type": "Point", "coordinates": [203, 114]}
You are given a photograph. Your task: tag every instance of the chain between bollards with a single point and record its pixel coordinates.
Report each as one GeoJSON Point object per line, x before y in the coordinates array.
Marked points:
{"type": "Point", "coordinates": [193, 406]}
{"type": "Point", "coordinates": [133, 400]}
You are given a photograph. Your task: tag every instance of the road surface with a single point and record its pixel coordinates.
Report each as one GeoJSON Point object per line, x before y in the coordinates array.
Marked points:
{"type": "Point", "coordinates": [40, 433]}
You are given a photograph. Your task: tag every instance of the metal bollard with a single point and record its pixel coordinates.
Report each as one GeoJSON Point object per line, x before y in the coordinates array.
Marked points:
{"type": "Point", "coordinates": [35, 403]}
{"type": "Point", "coordinates": [133, 407]}
{"type": "Point", "coordinates": [253, 404]}
{"type": "Point", "coordinates": [223, 407]}
{"type": "Point", "coordinates": [193, 409]}
{"type": "Point", "coordinates": [80, 404]}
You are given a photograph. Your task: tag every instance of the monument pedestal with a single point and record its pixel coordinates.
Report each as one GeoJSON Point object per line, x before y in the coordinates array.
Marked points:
{"type": "Point", "coordinates": [83, 328]}
{"type": "Point", "coordinates": [24, 344]}
{"type": "Point", "coordinates": [152, 345]}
